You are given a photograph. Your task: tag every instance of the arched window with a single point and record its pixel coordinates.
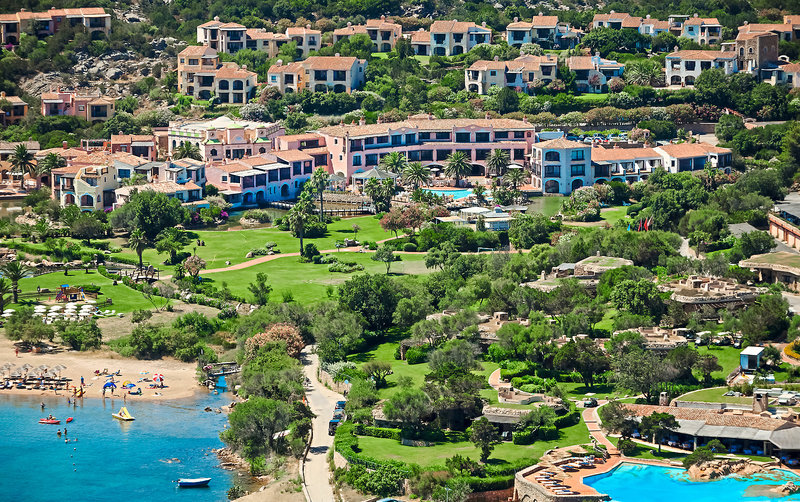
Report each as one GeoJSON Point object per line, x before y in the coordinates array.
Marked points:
{"type": "Point", "coordinates": [87, 200]}
{"type": "Point", "coordinates": [576, 184]}
{"type": "Point", "coordinates": [552, 157]}
{"type": "Point", "coordinates": [551, 186]}
{"type": "Point", "coordinates": [213, 152]}
{"type": "Point", "coordinates": [238, 85]}
{"type": "Point", "coordinates": [224, 85]}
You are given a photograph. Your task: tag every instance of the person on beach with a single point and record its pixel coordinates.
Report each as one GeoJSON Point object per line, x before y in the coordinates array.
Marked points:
{"type": "Point", "coordinates": [59, 433]}
{"type": "Point", "coordinates": [65, 431]}
{"type": "Point", "coordinates": [42, 404]}
{"type": "Point", "coordinates": [16, 351]}
{"type": "Point", "coordinates": [81, 381]}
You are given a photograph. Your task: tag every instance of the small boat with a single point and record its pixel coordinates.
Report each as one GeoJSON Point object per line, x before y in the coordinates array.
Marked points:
{"type": "Point", "coordinates": [193, 482]}
{"type": "Point", "coordinates": [69, 419]}
{"type": "Point", "coordinates": [123, 415]}
{"type": "Point", "coordinates": [49, 421]}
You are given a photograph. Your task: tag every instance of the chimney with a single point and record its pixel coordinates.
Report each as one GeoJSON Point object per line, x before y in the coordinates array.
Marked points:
{"type": "Point", "coordinates": [119, 133]}
{"type": "Point", "coordinates": [64, 145]}
{"type": "Point", "coordinates": [675, 49]}
{"type": "Point", "coordinates": [663, 399]}
{"type": "Point", "coordinates": [244, 67]}
{"type": "Point", "coordinates": [337, 54]}
{"type": "Point", "coordinates": [430, 116]}
{"type": "Point", "coordinates": [496, 58]}
{"type": "Point", "coordinates": [612, 12]}
{"type": "Point", "coordinates": [308, 26]}
{"type": "Point", "coordinates": [541, 13]}
{"type": "Point", "coordinates": [349, 24]}
{"type": "Point", "coordinates": [483, 24]}
{"type": "Point", "coordinates": [2, 94]}
{"type": "Point", "coordinates": [362, 121]}
{"type": "Point", "coordinates": [525, 119]}
{"type": "Point", "coordinates": [383, 18]}
{"type": "Point", "coordinates": [486, 116]}
{"type": "Point", "coordinates": [279, 62]}
{"type": "Point", "coordinates": [648, 16]}
{"type": "Point", "coordinates": [516, 19]}
{"type": "Point", "coordinates": [216, 18]}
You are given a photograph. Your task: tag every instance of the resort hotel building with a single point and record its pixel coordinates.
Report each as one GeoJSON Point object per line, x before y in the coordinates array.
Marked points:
{"type": "Point", "coordinates": [422, 138]}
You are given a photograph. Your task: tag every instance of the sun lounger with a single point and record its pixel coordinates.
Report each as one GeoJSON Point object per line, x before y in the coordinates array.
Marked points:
{"type": "Point", "coordinates": [566, 492]}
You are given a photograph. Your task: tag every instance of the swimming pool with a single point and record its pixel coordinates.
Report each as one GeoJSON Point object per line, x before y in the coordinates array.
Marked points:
{"type": "Point", "coordinates": [457, 193]}
{"type": "Point", "coordinates": [629, 482]}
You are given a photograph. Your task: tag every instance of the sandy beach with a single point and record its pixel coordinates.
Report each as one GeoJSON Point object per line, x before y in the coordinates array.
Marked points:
{"type": "Point", "coordinates": [180, 379]}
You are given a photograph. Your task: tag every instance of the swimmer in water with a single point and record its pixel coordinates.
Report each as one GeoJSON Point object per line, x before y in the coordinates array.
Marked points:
{"type": "Point", "coordinates": [59, 433]}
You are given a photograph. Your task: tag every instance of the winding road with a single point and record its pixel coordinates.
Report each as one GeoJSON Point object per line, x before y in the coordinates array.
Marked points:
{"type": "Point", "coordinates": [316, 475]}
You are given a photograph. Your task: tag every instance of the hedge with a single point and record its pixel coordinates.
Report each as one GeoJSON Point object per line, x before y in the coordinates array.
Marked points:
{"type": "Point", "coordinates": [378, 432]}
{"type": "Point", "coordinates": [489, 483]}
{"type": "Point", "coordinates": [791, 351]}
{"type": "Point", "coordinates": [568, 420]}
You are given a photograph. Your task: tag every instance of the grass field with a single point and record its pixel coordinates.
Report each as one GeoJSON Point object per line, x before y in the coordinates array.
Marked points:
{"type": "Point", "coordinates": [505, 452]}
{"type": "Point", "coordinates": [235, 244]}
{"type": "Point", "coordinates": [423, 60]}
{"type": "Point", "coordinates": [309, 282]}
{"type": "Point", "coordinates": [715, 395]}
{"type": "Point", "coordinates": [548, 206]}
{"type": "Point", "coordinates": [591, 97]}
{"type": "Point", "coordinates": [124, 298]}
{"type": "Point", "coordinates": [644, 452]}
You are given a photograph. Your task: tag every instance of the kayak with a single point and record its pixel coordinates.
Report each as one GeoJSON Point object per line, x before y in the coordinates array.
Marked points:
{"type": "Point", "coordinates": [49, 422]}
{"type": "Point", "coordinates": [69, 419]}
{"type": "Point", "coordinates": [193, 482]}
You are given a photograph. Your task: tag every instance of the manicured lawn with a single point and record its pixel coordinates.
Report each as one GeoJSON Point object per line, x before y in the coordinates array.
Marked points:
{"type": "Point", "coordinates": [579, 390]}
{"type": "Point", "coordinates": [591, 97]}
{"type": "Point", "coordinates": [728, 358]}
{"type": "Point", "coordinates": [715, 395]}
{"type": "Point", "coordinates": [309, 282]}
{"type": "Point", "coordinates": [506, 452]}
{"type": "Point", "coordinates": [548, 206]}
{"type": "Point", "coordinates": [614, 214]}
{"type": "Point", "coordinates": [423, 60]}
{"type": "Point", "coordinates": [607, 322]}
{"type": "Point", "coordinates": [235, 244]}
{"type": "Point", "coordinates": [125, 299]}
{"type": "Point", "coordinates": [643, 452]}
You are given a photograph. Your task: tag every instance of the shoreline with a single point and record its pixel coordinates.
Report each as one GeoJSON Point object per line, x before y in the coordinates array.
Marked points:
{"type": "Point", "coordinates": [180, 379]}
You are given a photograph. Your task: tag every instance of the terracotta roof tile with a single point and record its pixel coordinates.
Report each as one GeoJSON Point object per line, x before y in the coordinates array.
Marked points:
{"type": "Point", "coordinates": [292, 155]}
{"type": "Point", "coordinates": [300, 30]}
{"type": "Point", "coordinates": [701, 21]}
{"type": "Point", "coordinates": [421, 37]}
{"type": "Point", "coordinates": [341, 63]}
{"type": "Point", "coordinates": [702, 55]}
{"type": "Point", "coordinates": [711, 417]}
{"type": "Point", "coordinates": [685, 150]}
{"type": "Point", "coordinates": [455, 27]}
{"type": "Point", "coordinates": [618, 154]}
{"type": "Point", "coordinates": [232, 70]}
{"type": "Point", "coordinates": [559, 144]}
{"type": "Point", "coordinates": [198, 50]}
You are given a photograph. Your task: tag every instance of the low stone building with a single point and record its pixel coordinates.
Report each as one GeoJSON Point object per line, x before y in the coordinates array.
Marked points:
{"type": "Point", "coordinates": [694, 291]}
{"type": "Point", "coordinates": [781, 267]}
{"type": "Point", "coordinates": [660, 339]}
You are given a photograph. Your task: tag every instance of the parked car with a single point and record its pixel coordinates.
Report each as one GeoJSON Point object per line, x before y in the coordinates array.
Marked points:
{"type": "Point", "coordinates": [332, 425]}
{"type": "Point", "coordinates": [506, 436]}
{"type": "Point", "coordinates": [589, 402]}
{"type": "Point", "coordinates": [340, 405]}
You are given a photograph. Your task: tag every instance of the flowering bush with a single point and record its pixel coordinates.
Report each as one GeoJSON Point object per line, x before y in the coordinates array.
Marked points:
{"type": "Point", "coordinates": [284, 332]}
{"type": "Point", "coordinates": [583, 205]}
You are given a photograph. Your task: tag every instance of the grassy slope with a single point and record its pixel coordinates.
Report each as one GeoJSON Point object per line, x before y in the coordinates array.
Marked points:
{"type": "Point", "coordinates": [308, 282]}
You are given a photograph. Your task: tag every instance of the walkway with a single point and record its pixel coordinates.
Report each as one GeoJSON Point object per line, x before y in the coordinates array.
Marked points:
{"type": "Point", "coordinates": [315, 472]}
{"type": "Point", "coordinates": [592, 421]}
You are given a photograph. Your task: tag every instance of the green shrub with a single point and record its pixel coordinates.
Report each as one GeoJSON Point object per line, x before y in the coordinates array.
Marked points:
{"type": "Point", "coordinates": [409, 247]}
{"type": "Point", "coordinates": [416, 355]}
{"type": "Point", "coordinates": [626, 446]}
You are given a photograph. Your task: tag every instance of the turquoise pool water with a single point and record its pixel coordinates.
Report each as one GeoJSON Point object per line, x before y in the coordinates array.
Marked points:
{"type": "Point", "coordinates": [456, 193]}
{"type": "Point", "coordinates": [635, 483]}
{"type": "Point", "coordinates": [111, 460]}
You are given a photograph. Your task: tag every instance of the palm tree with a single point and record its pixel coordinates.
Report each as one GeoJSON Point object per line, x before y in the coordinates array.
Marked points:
{"type": "Point", "coordinates": [480, 194]}
{"type": "Point", "coordinates": [299, 215]}
{"type": "Point", "coordinates": [457, 165]}
{"type": "Point", "coordinates": [497, 163]}
{"type": "Point", "coordinates": [643, 73]}
{"type": "Point", "coordinates": [14, 271]}
{"type": "Point", "coordinates": [50, 162]}
{"type": "Point", "coordinates": [394, 162]}
{"type": "Point", "coordinates": [5, 290]}
{"type": "Point", "coordinates": [416, 174]}
{"type": "Point", "coordinates": [21, 160]}
{"type": "Point", "coordinates": [41, 228]}
{"type": "Point", "coordinates": [185, 150]}
{"type": "Point", "coordinates": [515, 177]}
{"type": "Point", "coordinates": [319, 180]}
{"type": "Point", "coordinates": [137, 242]}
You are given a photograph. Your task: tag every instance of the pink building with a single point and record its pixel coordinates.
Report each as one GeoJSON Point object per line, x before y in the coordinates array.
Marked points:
{"type": "Point", "coordinates": [260, 179]}
{"type": "Point", "coordinates": [141, 145]}
{"type": "Point", "coordinates": [422, 138]}
{"type": "Point", "coordinates": [91, 106]}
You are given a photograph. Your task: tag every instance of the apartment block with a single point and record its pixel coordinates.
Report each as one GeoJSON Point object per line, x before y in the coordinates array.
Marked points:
{"type": "Point", "coordinates": [384, 34]}
{"type": "Point", "coordinates": [703, 30]}
{"type": "Point", "coordinates": [319, 74]}
{"type": "Point", "coordinates": [562, 166]}
{"type": "Point", "coordinates": [756, 52]}
{"type": "Point", "coordinates": [545, 31]}
{"type": "Point", "coordinates": [92, 19]}
{"type": "Point", "coordinates": [520, 74]}
{"type": "Point", "coordinates": [307, 39]}
{"type": "Point", "coordinates": [91, 106]}
{"type": "Point", "coordinates": [140, 145]}
{"type": "Point", "coordinates": [259, 179]}
{"type": "Point", "coordinates": [223, 137]}
{"type": "Point", "coordinates": [15, 108]}
{"type": "Point", "coordinates": [683, 67]}
{"type": "Point", "coordinates": [450, 38]}
{"type": "Point", "coordinates": [420, 42]}
{"type": "Point", "coordinates": [592, 73]}
{"type": "Point", "coordinates": [200, 74]}
{"type": "Point", "coordinates": [89, 179]}
{"type": "Point", "coordinates": [422, 138]}
{"type": "Point", "coordinates": [623, 20]}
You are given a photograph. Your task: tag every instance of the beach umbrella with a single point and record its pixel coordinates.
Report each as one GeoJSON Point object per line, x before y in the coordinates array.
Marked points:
{"type": "Point", "coordinates": [10, 310]}
{"type": "Point", "coordinates": [27, 366]}
{"type": "Point", "coordinates": [158, 377]}
{"type": "Point", "coordinates": [111, 385]}
{"type": "Point", "coordinates": [55, 307]}
{"type": "Point", "coordinates": [91, 301]}
{"type": "Point", "coordinates": [7, 314]}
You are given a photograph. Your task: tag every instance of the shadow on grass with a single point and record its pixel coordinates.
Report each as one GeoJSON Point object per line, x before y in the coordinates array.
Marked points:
{"type": "Point", "coordinates": [597, 389]}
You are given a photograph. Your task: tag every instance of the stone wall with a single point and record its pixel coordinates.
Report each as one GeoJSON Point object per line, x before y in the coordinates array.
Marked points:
{"type": "Point", "coordinates": [328, 382]}
{"type": "Point", "coordinates": [492, 496]}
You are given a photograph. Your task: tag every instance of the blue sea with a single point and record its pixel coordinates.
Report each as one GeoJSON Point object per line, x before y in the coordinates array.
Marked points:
{"type": "Point", "coordinates": [111, 460]}
{"type": "Point", "coordinates": [631, 482]}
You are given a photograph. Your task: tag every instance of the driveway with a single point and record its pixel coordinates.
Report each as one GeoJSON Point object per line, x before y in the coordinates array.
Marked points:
{"type": "Point", "coordinates": [322, 401]}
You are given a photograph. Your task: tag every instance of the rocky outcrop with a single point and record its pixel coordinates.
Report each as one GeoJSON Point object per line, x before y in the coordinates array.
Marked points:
{"type": "Point", "coordinates": [715, 469]}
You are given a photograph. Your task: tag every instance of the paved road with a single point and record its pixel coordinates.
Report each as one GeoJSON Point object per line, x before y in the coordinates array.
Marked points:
{"type": "Point", "coordinates": [322, 400]}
